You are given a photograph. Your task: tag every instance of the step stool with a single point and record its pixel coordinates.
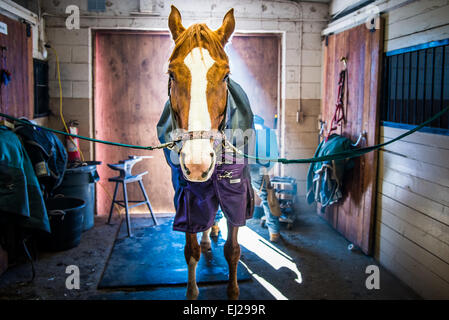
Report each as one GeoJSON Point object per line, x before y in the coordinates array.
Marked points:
{"type": "Point", "coordinates": [125, 177]}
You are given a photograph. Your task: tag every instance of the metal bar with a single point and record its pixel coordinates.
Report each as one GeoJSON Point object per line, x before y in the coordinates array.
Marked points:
{"type": "Point", "coordinates": [395, 92]}
{"type": "Point", "coordinates": [442, 81]}
{"type": "Point", "coordinates": [112, 204]}
{"type": "Point", "coordinates": [388, 89]}
{"type": "Point", "coordinates": [443, 58]}
{"type": "Point", "coordinates": [424, 91]}
{"type": "Point", "coordinates": [433, 82]}
{"type": "Point", "coordinates": [415, 107]}
{"type": "Point", "coordinates": [410, 126]}
{"type": "Point", "coordinates": [409, 86]}
{"type": "Point", "coordinates": [401, 118]}
{"type": "Point", "coordinates": [147, 201]}
{"type": "Point", "coordinates": [418, 47]}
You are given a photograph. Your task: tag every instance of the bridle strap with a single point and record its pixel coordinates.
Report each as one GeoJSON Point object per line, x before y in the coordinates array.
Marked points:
{"type": "Point", "coordinates": [201, 134]}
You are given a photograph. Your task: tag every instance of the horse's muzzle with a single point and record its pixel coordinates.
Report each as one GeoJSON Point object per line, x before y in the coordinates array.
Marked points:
{"type": "Point", "coordinates": [197, 165]}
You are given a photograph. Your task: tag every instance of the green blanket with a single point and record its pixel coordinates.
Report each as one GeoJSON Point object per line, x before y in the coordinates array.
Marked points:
{"type": "Point", "coordinates": [20, 194]}
{"type": "Point", "coordinates": [324, 179]}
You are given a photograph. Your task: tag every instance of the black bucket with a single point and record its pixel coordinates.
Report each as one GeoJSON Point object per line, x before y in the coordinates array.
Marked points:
{"type": "Point", "coordinates": [66, 223]}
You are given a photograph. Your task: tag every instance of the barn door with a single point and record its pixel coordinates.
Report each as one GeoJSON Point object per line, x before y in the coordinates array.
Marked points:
{"type": "Point", "coordinates": [353, 216]}
{"type": "Point", "coordinates": [130, 93]}
{"type": "Point", "coordinates": [255, 65]}
{"type": "Point", "coordinates": [16, 98]}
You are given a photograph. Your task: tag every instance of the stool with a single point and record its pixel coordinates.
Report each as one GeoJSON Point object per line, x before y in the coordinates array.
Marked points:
{"type": "Point", "coordinates": [125, 177]}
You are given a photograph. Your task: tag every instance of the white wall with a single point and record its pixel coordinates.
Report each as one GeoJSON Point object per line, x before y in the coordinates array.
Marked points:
{"type": "Point", "coordinates": [301, 26]}
{"type": "Point", "coordinates": [412, 223]}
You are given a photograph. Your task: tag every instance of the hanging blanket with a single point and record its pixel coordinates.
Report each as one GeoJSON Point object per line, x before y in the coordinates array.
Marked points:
{"type": "Point", "coordinates": [20, 194]}
{"type": "Point", "coordinates": [324, 179]}
{"type": "Point", "coordinates": [197, 203]}
{"type": "Point", "coordinates": [47, 153]}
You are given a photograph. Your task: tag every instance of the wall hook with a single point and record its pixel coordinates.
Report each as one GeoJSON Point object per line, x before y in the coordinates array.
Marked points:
{"type": "Point", "coordinates": [362, 135]}
{"type": "Point", "coordinates": [344, 60]}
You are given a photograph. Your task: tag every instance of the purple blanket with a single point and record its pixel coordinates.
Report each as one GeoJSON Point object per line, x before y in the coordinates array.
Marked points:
{"type": "Point", "coordinates": [229, 187]}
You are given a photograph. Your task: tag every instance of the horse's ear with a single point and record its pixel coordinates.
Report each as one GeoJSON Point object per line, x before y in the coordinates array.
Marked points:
{"type": "Point", "coordinates": [175, 23]}
{"type": "Point", "coordinates": [227, 28]}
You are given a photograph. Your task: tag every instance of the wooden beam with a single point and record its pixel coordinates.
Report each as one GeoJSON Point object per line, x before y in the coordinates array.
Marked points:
{"type": "Point", "coordinates": [19, 11]}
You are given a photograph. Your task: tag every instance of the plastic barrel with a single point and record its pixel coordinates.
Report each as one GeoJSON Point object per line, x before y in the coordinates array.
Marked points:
{"type": "Point", "coordinates": [80, 183]}
{"type": "Point", "coordinates": [66, 223]}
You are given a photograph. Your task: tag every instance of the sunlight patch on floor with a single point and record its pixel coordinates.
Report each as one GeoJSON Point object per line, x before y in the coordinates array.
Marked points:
{"type": "Point", "coordinates": [266, 251]}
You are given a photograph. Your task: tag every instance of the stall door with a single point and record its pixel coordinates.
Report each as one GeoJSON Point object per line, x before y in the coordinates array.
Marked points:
{"type": "Point", "coordinates": [353, 217]}
{"type": "Point", "coordinates": [16, 56]}
{"type": "Point", "coordinates": [130, 93]}
{"type": "Point", "coordinates": [255, 64]}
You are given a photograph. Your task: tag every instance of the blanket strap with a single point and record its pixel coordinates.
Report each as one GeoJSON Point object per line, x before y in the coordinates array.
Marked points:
{"type": "Point", "coordinates": [339, 113]}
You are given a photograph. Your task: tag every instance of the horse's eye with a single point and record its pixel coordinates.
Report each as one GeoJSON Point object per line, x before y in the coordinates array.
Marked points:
{"type": "Point", "coordinates": [226, 77]}
{"type": "Point", "coordinates": [171, 76]}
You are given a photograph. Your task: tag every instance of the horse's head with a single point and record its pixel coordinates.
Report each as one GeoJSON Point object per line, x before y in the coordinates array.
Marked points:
{"type": "Point", "coordinates": [198, 70]}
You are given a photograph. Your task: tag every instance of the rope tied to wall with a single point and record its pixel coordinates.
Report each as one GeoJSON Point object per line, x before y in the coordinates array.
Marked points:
{"type": "Point", "coordinates": [170, 145]}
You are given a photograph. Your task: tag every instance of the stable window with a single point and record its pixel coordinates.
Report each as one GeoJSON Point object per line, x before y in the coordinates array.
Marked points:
{"type": "Point", "coordinates": [41, 95]}
{"type": "Point", "coordinates": [416, 86]}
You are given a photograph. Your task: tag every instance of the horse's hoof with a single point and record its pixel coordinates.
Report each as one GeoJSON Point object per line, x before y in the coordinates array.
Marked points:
{"type": "Point", "coordinates": [205, 246]}
{"type": "Point", "coordinates": [192, 292]}
{"type": "Point", "coordinates": [233, 293]}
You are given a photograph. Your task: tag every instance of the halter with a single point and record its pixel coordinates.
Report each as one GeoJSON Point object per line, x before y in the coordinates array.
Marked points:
{"type": "Point", "coordinates": [213, 134]}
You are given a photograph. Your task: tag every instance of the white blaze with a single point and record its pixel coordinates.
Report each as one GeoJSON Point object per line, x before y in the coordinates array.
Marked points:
{"type": "Point", "coordinates": [198, 61]}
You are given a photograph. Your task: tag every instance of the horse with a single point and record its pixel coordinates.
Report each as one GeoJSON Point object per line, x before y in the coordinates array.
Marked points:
{"type": "Point", "coordinates": [198, 72]}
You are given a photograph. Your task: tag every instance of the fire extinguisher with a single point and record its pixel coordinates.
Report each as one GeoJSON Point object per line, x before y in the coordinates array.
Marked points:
{"type": "Point", "coordinates": [73, 143]}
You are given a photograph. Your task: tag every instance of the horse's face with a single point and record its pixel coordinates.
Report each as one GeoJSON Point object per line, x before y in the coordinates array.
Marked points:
{"type": "Point", "coordinates": [198, 71]}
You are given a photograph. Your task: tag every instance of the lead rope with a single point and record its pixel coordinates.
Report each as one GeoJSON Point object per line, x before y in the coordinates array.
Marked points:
{"type": "Point", "coordinates": [353, 153]}
{"type": "Point", "coordinates": [169, 145]}
{"type": "Point", "coordinates": [228, 145]}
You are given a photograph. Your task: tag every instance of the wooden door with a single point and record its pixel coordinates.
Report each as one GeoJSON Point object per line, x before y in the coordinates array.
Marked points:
{"type": "Point", "coordinates": [16, 98]}
{"type": "Point", "coordinates": [130, 93]}
{"type": "Point", "coordinates": [255, 65]}
{"type": "Point", "coordinates": [353, 216]}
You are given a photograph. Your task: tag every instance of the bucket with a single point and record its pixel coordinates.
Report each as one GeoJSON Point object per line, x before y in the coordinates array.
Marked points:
{"type": "Point", "coordinates": [79, 183]}
{"type": "Point", "coordinates": [66, 223]}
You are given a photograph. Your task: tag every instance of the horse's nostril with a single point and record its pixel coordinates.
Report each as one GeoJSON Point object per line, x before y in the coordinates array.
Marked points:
{"type": "Point", "coordinates": [187, 171]}
{"type": "Point", "coordinates": [211, 154]}
{"type": "Point", "coordinates": [204, 174]}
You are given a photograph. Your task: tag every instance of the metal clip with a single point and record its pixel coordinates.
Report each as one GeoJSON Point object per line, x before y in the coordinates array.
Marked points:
{"type": "Point", "coordinates": [226, 175]}
{"type": "Point", "coordinates": [344, 60]}
{"type": "Point", "coordinates": [362, 135]}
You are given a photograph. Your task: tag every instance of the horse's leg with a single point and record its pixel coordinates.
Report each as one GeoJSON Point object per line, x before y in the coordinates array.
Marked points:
{"type": "Point", "coordinates": [232, 255]}
{"type": "Point", "coordinates": [192, 253]}
{"type": "Point", "coordinates": [205, 241]}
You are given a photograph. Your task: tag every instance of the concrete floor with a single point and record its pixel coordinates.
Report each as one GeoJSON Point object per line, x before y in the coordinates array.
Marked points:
{"type": "Point", "coordinates": [311, 262]}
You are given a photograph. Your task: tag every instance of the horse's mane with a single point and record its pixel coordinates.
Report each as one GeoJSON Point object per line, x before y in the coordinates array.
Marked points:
{"type": "Point", "coordinates": [199, 35]}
